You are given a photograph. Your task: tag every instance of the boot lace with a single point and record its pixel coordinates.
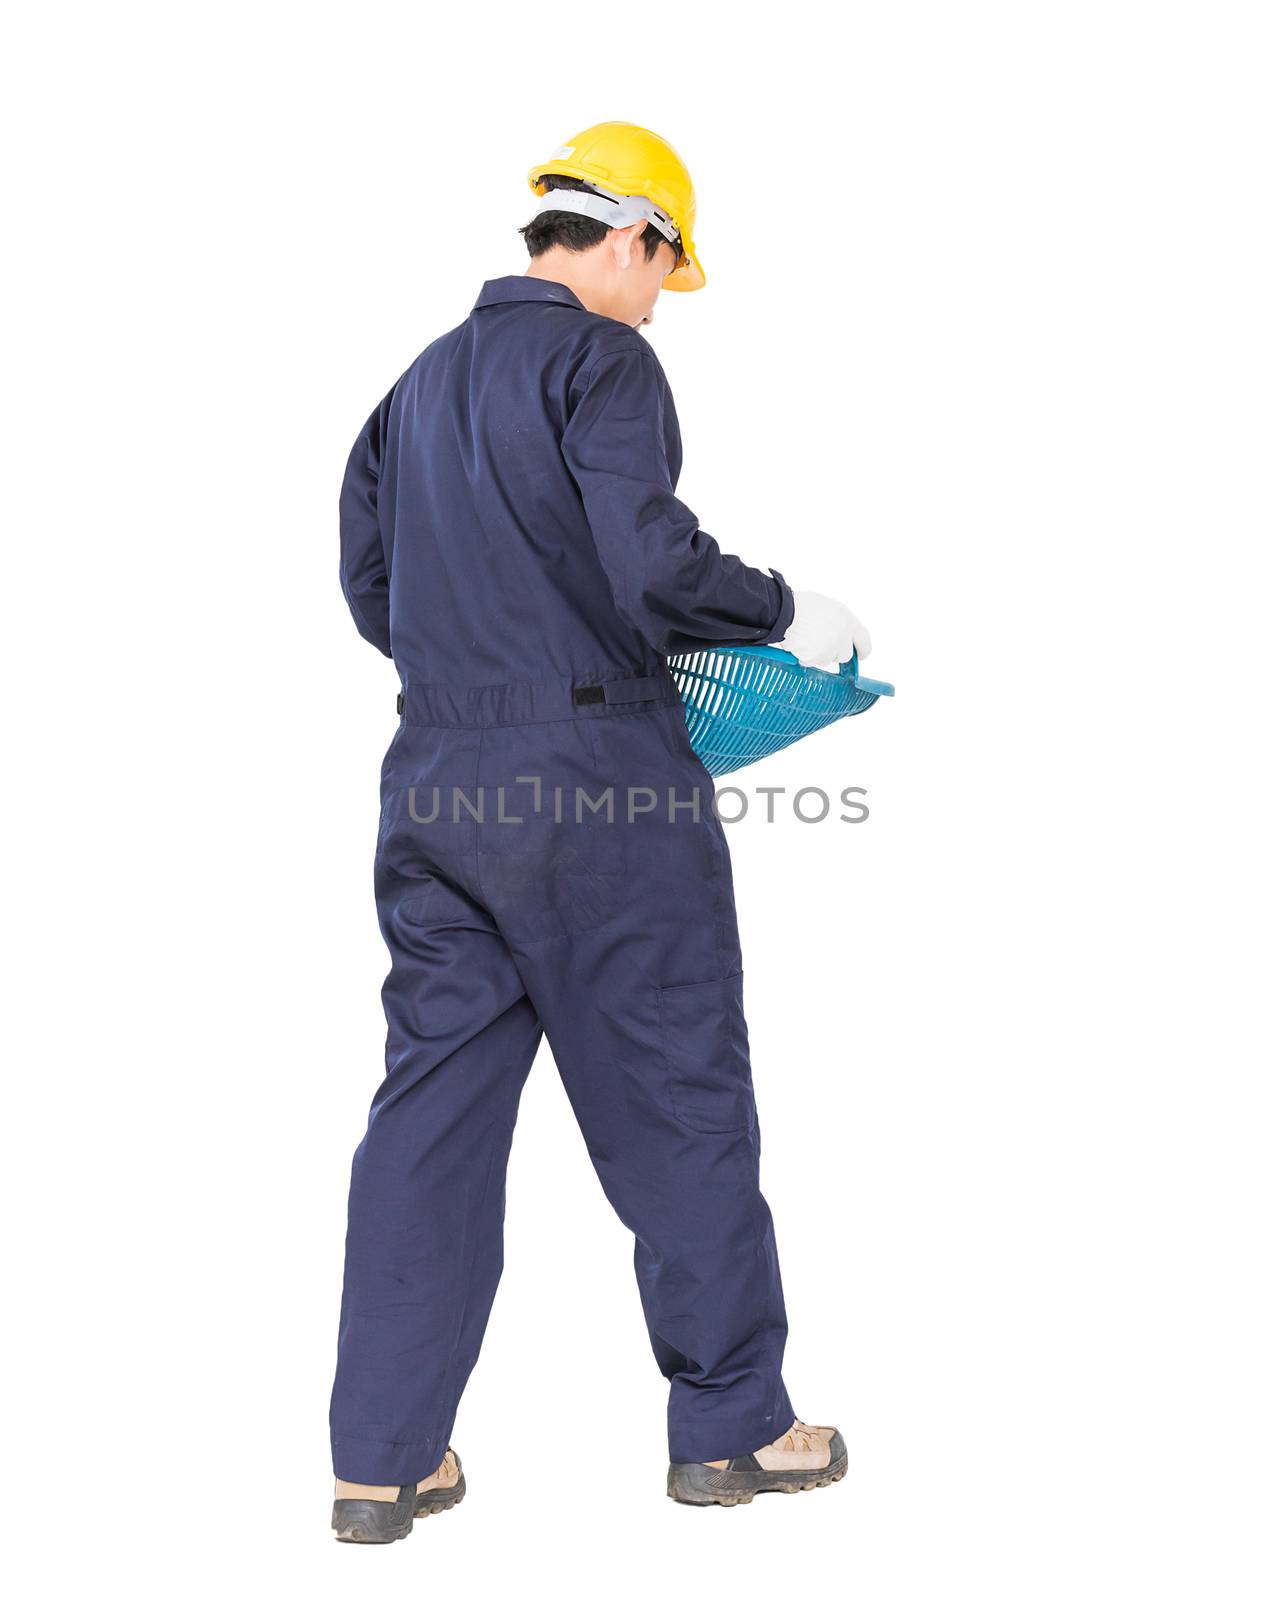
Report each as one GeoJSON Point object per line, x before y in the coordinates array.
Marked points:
{"type": "Point", "coordinates": [800, 1437]}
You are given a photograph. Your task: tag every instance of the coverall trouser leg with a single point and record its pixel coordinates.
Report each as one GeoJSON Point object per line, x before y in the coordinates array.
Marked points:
{"type": "Point", "coordinates": [425, 1215]}
{"type": "Point", "coordinates": [614, 930]}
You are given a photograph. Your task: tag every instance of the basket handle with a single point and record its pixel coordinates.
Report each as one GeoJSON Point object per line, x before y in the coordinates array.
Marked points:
{"type": "Point", "coordinates": [851, 669]}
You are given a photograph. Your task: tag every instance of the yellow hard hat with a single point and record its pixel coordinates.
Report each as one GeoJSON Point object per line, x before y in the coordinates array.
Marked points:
{"type": "Point", "coordinates": [624, 160]}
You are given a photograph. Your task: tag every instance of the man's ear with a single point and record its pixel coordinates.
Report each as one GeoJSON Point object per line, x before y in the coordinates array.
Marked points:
{"type": "Point", "coordinates": [623, 242]}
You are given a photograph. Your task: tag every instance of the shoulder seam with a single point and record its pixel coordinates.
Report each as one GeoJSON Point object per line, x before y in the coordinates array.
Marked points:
{"type": "Point", "coordinates": [640, 349]}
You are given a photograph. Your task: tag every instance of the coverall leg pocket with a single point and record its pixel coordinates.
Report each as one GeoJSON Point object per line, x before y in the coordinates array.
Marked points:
{"type": "Point", "coordinates": [706, 1050]}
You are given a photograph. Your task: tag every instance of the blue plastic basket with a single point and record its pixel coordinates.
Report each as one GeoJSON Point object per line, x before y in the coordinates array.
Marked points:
{"type": "Point", "coordinates": [744, 702]}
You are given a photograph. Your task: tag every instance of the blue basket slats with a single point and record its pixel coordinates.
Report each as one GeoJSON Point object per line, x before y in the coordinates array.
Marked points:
{"type": "Point", "coordinates": [745, 702]}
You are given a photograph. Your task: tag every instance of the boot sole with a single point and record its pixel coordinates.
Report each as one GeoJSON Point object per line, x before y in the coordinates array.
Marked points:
{"type": "Point", "coordinates": [696, 1485]}
{"type": "Point", "coordinates": [386, 1521]}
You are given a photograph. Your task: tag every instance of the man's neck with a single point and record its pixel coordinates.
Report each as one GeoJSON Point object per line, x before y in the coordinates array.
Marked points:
{"type": "Point", "coordinates": [576, 273]}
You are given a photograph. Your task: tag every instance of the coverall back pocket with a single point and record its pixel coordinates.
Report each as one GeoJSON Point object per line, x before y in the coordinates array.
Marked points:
{"type": "Point", "coordinates": [707, 1054]}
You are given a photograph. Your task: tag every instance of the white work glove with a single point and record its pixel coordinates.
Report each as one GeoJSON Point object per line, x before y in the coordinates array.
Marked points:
{"type": "Point", "coordinates": [823, 632]}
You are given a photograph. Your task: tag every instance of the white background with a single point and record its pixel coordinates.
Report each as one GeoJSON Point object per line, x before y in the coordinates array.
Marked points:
{"type": "Point", "coordinates": [983, 352]}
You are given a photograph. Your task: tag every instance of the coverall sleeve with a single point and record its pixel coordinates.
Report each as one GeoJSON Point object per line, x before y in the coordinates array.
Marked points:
{"type": "Point", "coordinates": [363, 571]}
{"type": "Point", "coordinates": [670, 579]}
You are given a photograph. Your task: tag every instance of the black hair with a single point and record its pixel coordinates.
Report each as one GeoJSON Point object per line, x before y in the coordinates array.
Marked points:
{"type": "Point", "coordinates": [577, 233]}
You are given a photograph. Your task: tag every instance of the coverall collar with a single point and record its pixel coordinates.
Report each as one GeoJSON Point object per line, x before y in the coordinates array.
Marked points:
{"type": "Point", "coordinates": [500, 291]}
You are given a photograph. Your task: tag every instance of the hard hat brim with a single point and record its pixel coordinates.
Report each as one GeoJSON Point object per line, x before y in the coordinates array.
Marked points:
{"type": "Point", "coordinates": [686, 276]}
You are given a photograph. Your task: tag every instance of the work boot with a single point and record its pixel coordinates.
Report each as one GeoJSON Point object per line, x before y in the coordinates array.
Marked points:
{"type": "Point", "coordinates": [803, 1458]}
{"type": "Point", "coordinates": [367, 1513]}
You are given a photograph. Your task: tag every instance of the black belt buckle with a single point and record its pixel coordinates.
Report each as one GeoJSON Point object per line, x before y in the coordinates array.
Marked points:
{"type": "Point", "coordinates": [590, 694]}
{"type": "Point", "coordinates": [401, 704]}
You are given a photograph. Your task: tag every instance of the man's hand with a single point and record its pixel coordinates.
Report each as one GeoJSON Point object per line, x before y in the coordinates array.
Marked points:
{"type": "Point", "coordinates": [823, 632]}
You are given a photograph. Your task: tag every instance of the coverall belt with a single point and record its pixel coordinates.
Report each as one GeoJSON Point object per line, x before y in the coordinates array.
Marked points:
{"type": "Point", "coordinates": [506, 704]}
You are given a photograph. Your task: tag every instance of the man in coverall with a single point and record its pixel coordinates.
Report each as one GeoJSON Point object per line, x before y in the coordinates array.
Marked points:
{"type": "Point", "coordinates": [511, 538]}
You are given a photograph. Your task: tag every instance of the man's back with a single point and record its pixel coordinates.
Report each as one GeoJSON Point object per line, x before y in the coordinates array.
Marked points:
{"type": "Point", "coordinates": [508, 515]}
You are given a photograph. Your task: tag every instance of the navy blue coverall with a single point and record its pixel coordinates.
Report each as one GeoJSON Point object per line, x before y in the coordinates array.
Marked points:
{"type": "Point", "coordinates": [511, 538]}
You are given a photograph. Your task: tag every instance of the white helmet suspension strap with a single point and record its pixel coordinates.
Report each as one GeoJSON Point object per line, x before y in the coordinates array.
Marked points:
{"type": "Point", "coordinates": [618, 210]}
